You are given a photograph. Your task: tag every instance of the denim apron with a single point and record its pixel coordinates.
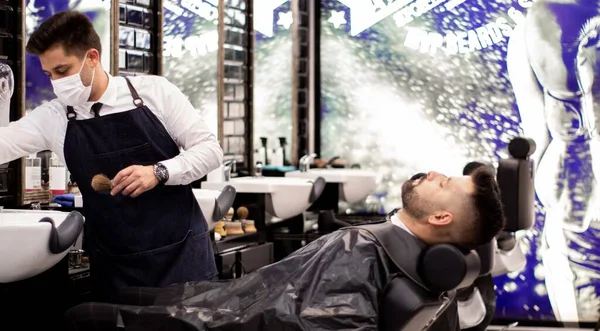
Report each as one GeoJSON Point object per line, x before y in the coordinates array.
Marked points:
{"type": "Point", "coordinates": [155, 240]}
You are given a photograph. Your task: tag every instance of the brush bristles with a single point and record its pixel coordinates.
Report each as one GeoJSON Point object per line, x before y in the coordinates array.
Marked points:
{"type": "Point", "coordinates": [101, 183]}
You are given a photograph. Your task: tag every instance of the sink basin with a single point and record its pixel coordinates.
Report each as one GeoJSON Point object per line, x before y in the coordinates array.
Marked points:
{"type": "Point", "coordinates": [355, 184]}
{"type": "Point", "coordinates": [215, 203]}
{"type": "Point", "coordinates": [32, 241]}
{"type": "Point", "coordinates": [286, 197]}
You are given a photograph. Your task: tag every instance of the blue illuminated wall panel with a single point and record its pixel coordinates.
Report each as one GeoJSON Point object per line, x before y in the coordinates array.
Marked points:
{"type": "Point", "coordinates": [411, 86]}
{"type": "Point", "coordinates": [39, 88]}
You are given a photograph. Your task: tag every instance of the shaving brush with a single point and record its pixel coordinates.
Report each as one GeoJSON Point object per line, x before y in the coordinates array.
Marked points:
{"type": "Point", "coordinates": [242, 213]}
{"type": "Point", "coordinates": [101, 183]}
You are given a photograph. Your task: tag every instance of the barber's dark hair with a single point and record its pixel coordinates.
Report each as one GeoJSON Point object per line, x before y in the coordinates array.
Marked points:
{"type": "Point", "coordinates": [487, 217]}
{"type": "Point", "coordinates": [70, 29]}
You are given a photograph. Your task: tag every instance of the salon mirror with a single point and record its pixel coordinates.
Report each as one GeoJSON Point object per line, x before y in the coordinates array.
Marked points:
{"type": "Point", "coordinates": [190, 53]}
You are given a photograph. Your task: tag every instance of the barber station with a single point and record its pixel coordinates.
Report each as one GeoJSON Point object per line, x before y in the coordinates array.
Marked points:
{"type": "Point", "coordinates": [299, 165]}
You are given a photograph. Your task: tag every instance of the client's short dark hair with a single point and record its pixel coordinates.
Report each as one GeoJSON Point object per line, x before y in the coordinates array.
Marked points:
{"type": "Point", "coordinates": [70, 29]}
{"type": "Point", "coordinates": [486, 210]}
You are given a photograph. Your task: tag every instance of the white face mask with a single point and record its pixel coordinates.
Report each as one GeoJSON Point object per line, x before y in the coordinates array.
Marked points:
{"type": "Point", "coordinates": [70, 90]}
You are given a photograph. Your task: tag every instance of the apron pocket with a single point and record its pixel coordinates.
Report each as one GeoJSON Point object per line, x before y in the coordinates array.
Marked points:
{"type": "Point", "coordinates": [191, 259]}
{"type": "Point", "coordinates": [195, 263]}
{"type": "Point", "coordinates": [146, 269]}
{"type": "Point", "coordinates": [112, 162]}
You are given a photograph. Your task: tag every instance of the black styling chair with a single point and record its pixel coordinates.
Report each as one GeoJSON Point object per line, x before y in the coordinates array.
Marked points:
{"type": "Point", "coordinates": [447, 274]}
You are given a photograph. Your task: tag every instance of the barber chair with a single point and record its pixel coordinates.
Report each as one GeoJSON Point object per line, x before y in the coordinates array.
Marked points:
{"type": "Point", "coordinates": [410, 304]}
{"type": "Point", "coordinates": [476, 303]}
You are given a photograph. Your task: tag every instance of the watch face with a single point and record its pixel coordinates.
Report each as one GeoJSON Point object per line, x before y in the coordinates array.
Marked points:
{"type": "Point", "coordinates": [161, 173]}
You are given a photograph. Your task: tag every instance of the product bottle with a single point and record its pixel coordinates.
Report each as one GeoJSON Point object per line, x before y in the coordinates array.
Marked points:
{"type": "Point", "coordinates": [277, 159]}
{"type": "Point", "coordinates": [58, 176]}
{"type": "Point", "coordinates": [259, 155]}
{"type": "Point", "coordinates": [33, 173]}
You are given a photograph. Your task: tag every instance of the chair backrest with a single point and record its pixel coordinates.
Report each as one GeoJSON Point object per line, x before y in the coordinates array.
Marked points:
{"type": "Point", "coordinates": [406, 306]}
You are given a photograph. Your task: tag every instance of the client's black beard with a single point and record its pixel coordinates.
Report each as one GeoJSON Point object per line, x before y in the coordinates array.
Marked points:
{"type": "Point", "coordinates": [410, 199]}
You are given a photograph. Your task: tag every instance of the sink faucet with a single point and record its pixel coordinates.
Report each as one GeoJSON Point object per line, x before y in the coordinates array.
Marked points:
{"type": "Point", "coordinates": [228, 166]}
{"type": "Point", "coordinates": [304, 162]}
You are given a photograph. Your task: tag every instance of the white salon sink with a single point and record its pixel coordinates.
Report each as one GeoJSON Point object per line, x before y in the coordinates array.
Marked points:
{"type": "Point", "coordinates": [355, 184]}
{"type": "Point", "coordinates": [30, 246]}
{"type": "Point", "coordinates": [286, 197]}
{"type": "Point", "coordinates": [215, 203]}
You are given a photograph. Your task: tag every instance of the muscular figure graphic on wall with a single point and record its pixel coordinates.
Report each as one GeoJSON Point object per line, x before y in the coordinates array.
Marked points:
{"type": "Point", "coordinates": [553, 66]}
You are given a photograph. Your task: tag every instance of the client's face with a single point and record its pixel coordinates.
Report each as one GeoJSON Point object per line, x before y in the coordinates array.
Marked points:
{"type": "Point", "coordinates": [435, 197]}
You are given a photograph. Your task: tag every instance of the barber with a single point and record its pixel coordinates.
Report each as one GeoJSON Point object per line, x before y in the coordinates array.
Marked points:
{"type": "Point", "coordinates": [149, 230]}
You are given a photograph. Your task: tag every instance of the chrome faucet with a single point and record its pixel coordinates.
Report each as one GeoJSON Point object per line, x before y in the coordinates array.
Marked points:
{"type": "Point", "coordinates": [304, 162]}
{"type": "Point", "coordinates": [228, 167]}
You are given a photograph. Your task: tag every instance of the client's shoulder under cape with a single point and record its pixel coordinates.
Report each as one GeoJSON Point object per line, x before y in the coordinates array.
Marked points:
{"type": "Point", "coordinates": [332, 283]}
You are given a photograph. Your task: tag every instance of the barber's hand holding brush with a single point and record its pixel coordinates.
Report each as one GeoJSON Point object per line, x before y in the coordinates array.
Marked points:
{"type": "Point", "coordinates": [132, 181]}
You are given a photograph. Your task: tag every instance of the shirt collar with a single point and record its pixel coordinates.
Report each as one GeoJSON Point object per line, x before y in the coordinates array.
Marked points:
{"type": "Point", "coordinates": [109, 98]}
{"type": "Point", "coordinates": [397, 222]}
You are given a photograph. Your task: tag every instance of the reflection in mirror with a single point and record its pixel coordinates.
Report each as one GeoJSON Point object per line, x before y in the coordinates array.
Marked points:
{"type": "Point", "coordinates": [190, 53]}
{"type": "Point", "coordinates": [273, 75]}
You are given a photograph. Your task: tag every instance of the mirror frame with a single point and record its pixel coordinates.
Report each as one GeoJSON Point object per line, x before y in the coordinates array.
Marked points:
{"type": "Point", "coordinates": [21, 80]}
{"type": "Point", "coordinates": [295, 81]}
{"type": "Point", "coordinates": [248, 83]}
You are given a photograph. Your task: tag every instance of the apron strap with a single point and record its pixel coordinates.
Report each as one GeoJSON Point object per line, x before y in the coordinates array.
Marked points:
{"type": "Point", "coordinates": [137, 101]}
{"type": "Point", "coordinates": [71, 114]}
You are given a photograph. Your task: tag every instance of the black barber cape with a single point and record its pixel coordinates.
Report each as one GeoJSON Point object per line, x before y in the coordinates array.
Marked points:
{"type": "Point", "coordinates": [333, 283]}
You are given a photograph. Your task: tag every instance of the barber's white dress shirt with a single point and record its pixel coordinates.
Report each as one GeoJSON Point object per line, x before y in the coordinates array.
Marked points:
{"type": "Point", "coordinates": [397, 222]}
{"type": "Point", "coordinates": [45, 127]}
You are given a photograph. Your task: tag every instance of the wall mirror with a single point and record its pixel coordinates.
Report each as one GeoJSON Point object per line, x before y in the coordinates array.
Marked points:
{"type": "Point", "coordinates": [281, 94]}
{"type": "Point", "coordinates": [190, 53]}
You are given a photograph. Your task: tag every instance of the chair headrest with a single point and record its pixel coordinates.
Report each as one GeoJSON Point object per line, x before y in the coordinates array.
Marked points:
{"type": "Point", "coordinates": [521, 148]}
{"type": "Point", "coordinates": [444, 268]}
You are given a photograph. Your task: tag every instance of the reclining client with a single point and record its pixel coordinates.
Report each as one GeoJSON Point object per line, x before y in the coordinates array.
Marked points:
{"type": "Point", "coordinates": [333, 283]}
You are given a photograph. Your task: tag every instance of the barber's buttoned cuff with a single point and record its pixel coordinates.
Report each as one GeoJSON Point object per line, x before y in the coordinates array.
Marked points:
{"type": "Point", "coordinates": [175, 171]}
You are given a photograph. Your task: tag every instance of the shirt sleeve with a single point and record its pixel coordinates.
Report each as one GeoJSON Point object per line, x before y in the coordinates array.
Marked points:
{"type": "Point", "coordinates": [201, 152]}
{"type": "Point", "coordinates": [30, 134]}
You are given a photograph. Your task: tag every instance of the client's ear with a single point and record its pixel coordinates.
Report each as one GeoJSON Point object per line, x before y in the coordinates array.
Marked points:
{"type": "Point", "coordinates": [440, 218]}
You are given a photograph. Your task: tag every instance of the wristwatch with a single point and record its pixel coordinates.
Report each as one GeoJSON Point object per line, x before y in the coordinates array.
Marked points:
{"type": "Point", "coordinates": [161, 173]}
